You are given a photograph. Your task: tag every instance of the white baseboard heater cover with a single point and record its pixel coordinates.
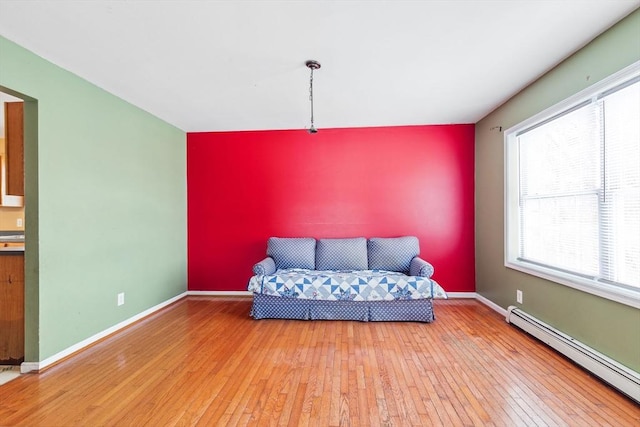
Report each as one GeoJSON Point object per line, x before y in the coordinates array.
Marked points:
{"type": "Point", "coordinates": [624, 379]}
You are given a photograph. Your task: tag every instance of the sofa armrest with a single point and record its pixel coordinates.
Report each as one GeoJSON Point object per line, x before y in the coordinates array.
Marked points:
{"type": "Point", "coordinates": [420, 267]}
{"type": "Point", "coordinates": [266, 266]}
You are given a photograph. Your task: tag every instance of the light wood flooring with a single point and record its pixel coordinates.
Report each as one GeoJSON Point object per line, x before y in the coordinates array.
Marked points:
{"type": "Point", "coordinates": [203, 361]}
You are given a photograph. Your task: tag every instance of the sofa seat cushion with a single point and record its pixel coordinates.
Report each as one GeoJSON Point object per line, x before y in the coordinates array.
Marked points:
{"type": "Point", "coordinates": [292, 252]}
{"type": "Point", "coordinates": [361, 285]}
{"type": "Point", "coordinates": [341, 254]}
{"type": "Point", "coordinates": [392, 253]}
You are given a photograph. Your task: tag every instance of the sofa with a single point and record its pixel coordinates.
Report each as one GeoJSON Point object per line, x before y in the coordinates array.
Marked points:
{"type": "Point", "coordinates": [375, 279]}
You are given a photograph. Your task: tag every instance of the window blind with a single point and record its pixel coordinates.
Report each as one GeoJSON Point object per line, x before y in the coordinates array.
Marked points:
{"type": "Point", "coordinates": [579, 189]}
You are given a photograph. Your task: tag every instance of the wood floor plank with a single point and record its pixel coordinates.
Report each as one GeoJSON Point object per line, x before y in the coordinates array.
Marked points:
{"type": "Point", "coordinates": [204, 361]}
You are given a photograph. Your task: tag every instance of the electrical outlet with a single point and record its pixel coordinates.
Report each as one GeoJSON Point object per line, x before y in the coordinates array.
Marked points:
{"type": "Point", "coordinates": [19, 222]}
{"type": "Point", "coordinates": [519, 296]}
{"type": "Point", "coordinates": [121, 298]}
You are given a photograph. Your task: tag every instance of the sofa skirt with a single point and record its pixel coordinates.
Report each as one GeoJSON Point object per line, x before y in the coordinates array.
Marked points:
{"type": "Point", "coordinates": [275, 307]}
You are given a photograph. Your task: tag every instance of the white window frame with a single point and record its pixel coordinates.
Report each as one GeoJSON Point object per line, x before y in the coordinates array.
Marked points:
{"type": "Point", "coordinates": [511, 193]}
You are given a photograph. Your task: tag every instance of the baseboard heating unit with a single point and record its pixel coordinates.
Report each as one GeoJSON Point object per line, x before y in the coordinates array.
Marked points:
{"type": "Point", "coordinates": [624, 379]}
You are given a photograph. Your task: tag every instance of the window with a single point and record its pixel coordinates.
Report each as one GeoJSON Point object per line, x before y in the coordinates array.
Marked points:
{"type": "Point", "coordinates": [572, 187]}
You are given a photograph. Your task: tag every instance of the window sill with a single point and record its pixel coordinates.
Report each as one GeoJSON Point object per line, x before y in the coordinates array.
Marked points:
{"type": "Point", "coordinates": [623, 296]}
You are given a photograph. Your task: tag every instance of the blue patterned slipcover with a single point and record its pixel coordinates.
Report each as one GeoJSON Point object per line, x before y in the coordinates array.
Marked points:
{"type": "Point", "coordinates": [275, 307]}
{"type": "Point", "coordinates": [345, 285]}
{"type": "Point", "coordinates": [357, 279]}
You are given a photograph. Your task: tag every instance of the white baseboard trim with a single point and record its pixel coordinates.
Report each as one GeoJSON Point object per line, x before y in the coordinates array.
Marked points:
{"type": "Point", "coordinates": [37, 366]}
{"type": "Point", "coordinates": [220, 293]}
{"type": "Point", "coordinates": [492, 305]}
{"type": "Point", "coordinates": [455, 295]}
{"type": "Point", "coordinates": [29, 367]}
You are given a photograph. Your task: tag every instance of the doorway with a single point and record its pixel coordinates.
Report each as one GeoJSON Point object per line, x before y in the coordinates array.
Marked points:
{"type": "Point", "coordinates": [18, 167]}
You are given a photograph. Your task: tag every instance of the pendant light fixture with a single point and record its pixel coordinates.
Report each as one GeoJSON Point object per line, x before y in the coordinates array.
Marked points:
{"type": "Point", "coordinates": [312, 65]}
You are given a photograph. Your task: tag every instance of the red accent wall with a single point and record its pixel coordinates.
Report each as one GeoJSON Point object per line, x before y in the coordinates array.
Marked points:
{"type": "Point", "coordinates": [244, 187]}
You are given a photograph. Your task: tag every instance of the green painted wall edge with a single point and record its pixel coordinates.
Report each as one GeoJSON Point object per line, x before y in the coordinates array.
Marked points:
{"type": "Point", "coordinates": [105, 205]}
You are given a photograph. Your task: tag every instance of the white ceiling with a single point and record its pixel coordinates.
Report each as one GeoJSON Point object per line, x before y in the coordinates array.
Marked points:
{"type": "Point", "coordinates": [239, 65]}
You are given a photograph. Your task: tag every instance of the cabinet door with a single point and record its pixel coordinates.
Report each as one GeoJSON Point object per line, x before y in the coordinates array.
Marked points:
{"type": "Point", "coordinates": [14, 129]}
{"type": "Point", "coordinates": [11, 309]}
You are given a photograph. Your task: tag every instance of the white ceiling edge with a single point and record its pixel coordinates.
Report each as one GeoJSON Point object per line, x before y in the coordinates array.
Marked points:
{"type": "Point", "coordinates": [235, 66]}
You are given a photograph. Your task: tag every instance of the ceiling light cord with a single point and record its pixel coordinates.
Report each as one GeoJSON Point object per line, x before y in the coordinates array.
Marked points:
{"type": "Point", "coordinates": [312, 65]}
{"type": "Point", "coordinates": [311, 96]}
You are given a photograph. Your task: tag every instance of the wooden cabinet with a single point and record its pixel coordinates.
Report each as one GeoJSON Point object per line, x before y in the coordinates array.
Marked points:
{"type": "Point", "coordinates": [12, 165]}
{"type": "Point", "coordinates": [11, 309]}
{"type": "Point", "coordinates": [14, 136]}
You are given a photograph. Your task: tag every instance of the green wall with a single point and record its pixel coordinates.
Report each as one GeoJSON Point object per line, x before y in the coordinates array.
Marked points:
{"type": "Point", "coordinates": [610, 327]}
{"type": "Point", "coordinates": [105, 205]}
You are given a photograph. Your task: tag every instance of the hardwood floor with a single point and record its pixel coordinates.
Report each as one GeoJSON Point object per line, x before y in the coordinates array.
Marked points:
{"type": "Point", "coordinates": [203, 361]}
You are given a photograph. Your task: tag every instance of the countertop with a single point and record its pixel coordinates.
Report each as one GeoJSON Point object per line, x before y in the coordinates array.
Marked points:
{"type": "Point", "coordinates": [16, 238]}
{"type": "Point", "coordinates": [11, 236]}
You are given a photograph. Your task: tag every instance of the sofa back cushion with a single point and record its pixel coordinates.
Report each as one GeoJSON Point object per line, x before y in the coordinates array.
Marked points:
{"type": "Point", "coordinates": [292, 252]}
{"type": "Point", "coordinates": [392, 253]}
{"type": "Point", "coordinates": [341, 254]}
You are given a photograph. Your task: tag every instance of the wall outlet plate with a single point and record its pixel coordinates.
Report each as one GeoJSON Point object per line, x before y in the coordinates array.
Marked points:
{"type": "Point", "coordinates": [519, 296]}
{"type": "Point", "coordinates": [121, 298]}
